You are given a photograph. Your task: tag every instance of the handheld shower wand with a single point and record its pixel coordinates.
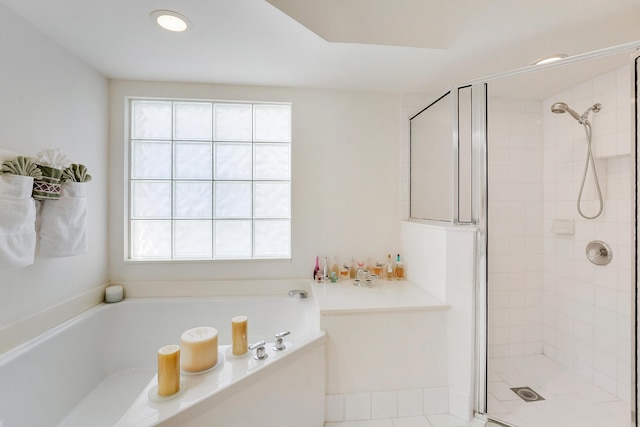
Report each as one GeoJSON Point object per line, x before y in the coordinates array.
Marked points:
{"type": "Point", "coordinates": [561, 107]}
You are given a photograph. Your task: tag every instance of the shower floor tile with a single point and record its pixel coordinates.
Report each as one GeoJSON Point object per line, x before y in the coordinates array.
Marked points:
{"type": "Point", "coordinates": [570, 400]}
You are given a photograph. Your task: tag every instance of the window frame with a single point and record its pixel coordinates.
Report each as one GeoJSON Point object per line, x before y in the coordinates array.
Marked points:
{"type": "Point", "coordinates": [129, 181]}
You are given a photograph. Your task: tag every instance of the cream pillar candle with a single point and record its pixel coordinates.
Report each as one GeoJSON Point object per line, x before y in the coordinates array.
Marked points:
{"type": "Point", "coordinates": [168, 370]}
{"type": "Point", "coordinates": [239, 341]}
{"type": "Point", "coordinates": [199, 348]}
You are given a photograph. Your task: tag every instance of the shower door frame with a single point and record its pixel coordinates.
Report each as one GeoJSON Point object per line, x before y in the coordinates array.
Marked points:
{"type": "Point", "coordinates": [480, 209]}
{"type": "Point", "coordinates": [635, 318]}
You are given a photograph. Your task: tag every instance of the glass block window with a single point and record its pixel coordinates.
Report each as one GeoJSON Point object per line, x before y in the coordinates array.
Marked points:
{"type": "Point", "coordinates": [209, 180]}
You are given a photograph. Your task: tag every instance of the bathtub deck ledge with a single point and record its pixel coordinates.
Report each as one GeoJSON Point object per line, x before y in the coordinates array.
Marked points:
{"type": "Point", "coordinates": [342, 298]}
{"type": "Point", "coordinates": [212, 387]}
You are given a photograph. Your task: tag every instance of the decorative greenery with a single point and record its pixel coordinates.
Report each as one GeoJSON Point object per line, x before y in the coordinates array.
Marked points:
{"type": "Point", "coordinates": [21, 166]}
{"type": "Point", "coordinates": [76, 173]}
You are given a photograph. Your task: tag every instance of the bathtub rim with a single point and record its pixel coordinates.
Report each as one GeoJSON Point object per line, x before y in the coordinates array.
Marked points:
{"type": "Point", "coordinates": [309, 340]}
{"type": "Point", "coordinates": [15, 335]}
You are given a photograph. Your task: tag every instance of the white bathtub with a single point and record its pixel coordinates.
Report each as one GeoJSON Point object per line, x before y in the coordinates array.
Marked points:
{"type": "Point", "coordinates": [97, 369]}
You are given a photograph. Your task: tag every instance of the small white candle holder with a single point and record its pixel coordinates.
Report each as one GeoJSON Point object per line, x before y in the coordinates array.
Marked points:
{"type": "Point", "coordinates": [155, 397]}
{"type": "Point", "coordinates": [114, 293]}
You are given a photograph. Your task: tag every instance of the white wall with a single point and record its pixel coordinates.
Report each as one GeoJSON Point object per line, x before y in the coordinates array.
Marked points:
{"type": "Point", "coordinates": [371, 351]}
{"type": "Point", "coordinates": [515, 227]}
{"type": "Point", "coordinates": [423, 246]}
{"type": "Point", "coordinates": [386, 364]}
{"type": "Point", "coordinates": [51, 99]}
{"type": "Point", "coordinates": [345, 177]}
{"type": "Point", "coordinates": [443, 265]}
{"type": "Point", "coordinates": [587, 325]}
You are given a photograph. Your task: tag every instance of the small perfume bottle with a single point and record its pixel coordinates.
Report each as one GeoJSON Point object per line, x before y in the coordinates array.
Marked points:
{"type": "Point", "coordinates": [316, 270]}
{"type": "Point", "coordinates": [352, 269]}
{"type": "Point", "coordinates": [389, 272]}
{"type": "Point", "coordinates": [399, 273]}
{"type": "Point", "coordinates": [334, 268]}
{"type": "Point", "coordinates": [378, 269]}
{"type": "Point", "coordinates": [344, 273]}
{"type": "Point", "coordinates": [360, 273]}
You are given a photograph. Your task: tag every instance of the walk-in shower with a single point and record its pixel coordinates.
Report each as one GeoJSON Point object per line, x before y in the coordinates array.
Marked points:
{"type": "Point", "coordinates": [561, 107]}
{"type": "Point", "coordinates": [557, 325]}
{"type": "Point", "coordinates": [555, 332]}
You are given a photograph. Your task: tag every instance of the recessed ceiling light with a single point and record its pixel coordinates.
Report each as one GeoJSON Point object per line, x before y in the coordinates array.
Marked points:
{"type": "Point", "coordinates": [548, 59]}
{"type": "Point", "coordinates": [170, 20]}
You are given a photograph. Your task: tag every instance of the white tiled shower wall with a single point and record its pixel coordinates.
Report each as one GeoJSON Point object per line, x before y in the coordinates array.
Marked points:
{"type": "Point", "coordinates": [544, 295]}
{"type": "Point", "coordinates": [587, 308]}
{"type": "Point", "coordinates": [515, 221]}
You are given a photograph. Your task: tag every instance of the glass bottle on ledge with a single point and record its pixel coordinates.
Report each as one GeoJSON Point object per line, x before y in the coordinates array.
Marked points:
{"type": "Point", "coordinates": [389, 271]}
{"type": "Point", "coordinates": [325, 269]}
{"type": "Point", "coordinates": [344, 272]}
{"type": "Point", "coordinates": [352, 269]}
{"type": "Point", "coordinates": [399, 272]}
{"type": "Point", "coordinates": [360, 273]}
{"type": "Point", "coordinates": [378, 270]}
{"type": "Point", "coordinates": [334, 268]}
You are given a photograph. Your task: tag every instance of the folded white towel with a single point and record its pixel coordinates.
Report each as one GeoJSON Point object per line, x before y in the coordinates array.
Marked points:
{"type": "Point", "coordinates": [63, 222]}
{"type": "Point", "coordinates": [17, 221]}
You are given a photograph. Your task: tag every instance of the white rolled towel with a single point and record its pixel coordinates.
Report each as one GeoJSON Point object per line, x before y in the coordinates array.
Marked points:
{"type": "Point", "coordinates": [63, 222]}
{"type": "Point", "coordinates": [17, 221]}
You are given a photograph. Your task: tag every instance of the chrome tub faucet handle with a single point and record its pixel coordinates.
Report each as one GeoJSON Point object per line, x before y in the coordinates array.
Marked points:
{"type": "Point", "coordinates": [259, 347]}
{"type": "Point", "coordinates": [279, 344]}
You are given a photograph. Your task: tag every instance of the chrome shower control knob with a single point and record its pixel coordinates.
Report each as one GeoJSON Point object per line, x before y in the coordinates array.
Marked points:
{"type": "Point", "coordinates": [598, 252]}
{"type": "Point", "coordinates": [259, 347]}
{"type": "Point", "coordinates": [279, 344]}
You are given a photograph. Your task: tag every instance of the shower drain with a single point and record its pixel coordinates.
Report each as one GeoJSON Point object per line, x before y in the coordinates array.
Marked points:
{"type": "Point", "coordinates": [527, 394]}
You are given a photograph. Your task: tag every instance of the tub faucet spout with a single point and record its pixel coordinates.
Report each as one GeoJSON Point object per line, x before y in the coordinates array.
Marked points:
{"type": "Point", "coordinates": [300, 293]}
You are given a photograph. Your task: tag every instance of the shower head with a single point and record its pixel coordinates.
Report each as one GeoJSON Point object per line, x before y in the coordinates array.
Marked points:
{"type": "Point", "coordinates": [561, 107]}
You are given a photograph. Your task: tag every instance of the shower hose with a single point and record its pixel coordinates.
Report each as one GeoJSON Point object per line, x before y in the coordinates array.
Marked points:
{"type": "Point", "coordinates": [590, 159]}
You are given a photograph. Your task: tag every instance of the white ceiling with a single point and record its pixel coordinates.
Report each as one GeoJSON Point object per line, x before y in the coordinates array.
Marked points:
{"type": "Point", "coordinates": [254, 42]}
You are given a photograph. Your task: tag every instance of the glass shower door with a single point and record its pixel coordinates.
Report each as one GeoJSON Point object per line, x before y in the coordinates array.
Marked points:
{"type": "Point", "coordinates": [555, 341]}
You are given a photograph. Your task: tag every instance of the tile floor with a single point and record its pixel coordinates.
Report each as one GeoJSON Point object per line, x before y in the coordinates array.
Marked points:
{"type": "Point", "coordinates": [570, 400]}
{"type": "Point", "coordinates": [442, 420]}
